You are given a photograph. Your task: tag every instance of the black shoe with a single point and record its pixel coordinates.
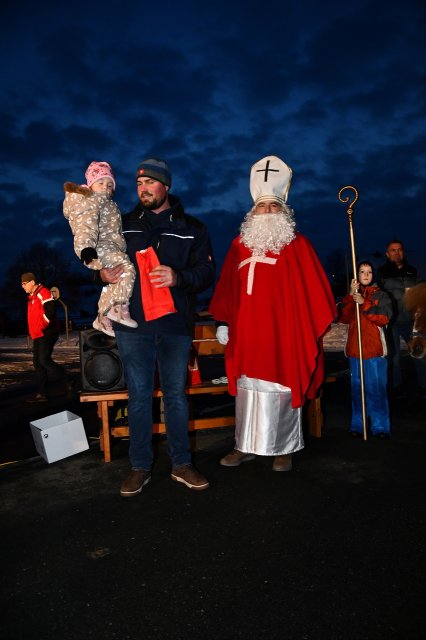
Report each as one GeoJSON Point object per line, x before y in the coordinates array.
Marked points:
{"type": "Point", "coordinates": [38, 398]}
{"type": "Point", "coordinates": [356, 434]}
{"type": "Point", "coordinates": [397, 393]}
{"type": "Point", "coordinates": [382, 435]}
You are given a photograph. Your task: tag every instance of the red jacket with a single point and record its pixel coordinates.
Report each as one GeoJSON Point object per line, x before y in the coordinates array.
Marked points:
{"type": "Point", "coordinates": [374, 313]}
{"type": "Point", "coordinates": [41, 313]}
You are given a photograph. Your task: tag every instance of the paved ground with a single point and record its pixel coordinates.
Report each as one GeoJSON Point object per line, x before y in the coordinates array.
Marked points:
{"type": "Point", "coordinates": [334, 549]}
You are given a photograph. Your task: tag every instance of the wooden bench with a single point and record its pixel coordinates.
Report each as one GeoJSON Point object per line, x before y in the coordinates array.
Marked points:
{"type": "Point", "coordinates": [204, 343]}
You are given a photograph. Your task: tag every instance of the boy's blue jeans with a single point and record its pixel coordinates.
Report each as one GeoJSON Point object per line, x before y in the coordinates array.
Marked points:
{"type": "Point", "coordinates": [139, 354]}
{"type": "Point", "coordinates": [376, 399]}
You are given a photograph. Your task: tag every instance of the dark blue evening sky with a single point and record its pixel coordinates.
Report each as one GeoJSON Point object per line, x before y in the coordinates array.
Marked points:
{"type": "Point", "coordinates": [336, 89]}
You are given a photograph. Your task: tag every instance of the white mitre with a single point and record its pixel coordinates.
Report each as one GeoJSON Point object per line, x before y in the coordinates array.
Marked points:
{"type": "Point", "coordinates": [270, 179]}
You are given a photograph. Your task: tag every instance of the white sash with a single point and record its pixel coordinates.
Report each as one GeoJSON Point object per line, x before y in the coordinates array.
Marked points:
{"type": "Point", "coordinates": [252, 261]}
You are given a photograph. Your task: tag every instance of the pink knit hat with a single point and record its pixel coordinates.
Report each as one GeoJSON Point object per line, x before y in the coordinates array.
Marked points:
{"type": "Point", "coordinates": [97, 171]}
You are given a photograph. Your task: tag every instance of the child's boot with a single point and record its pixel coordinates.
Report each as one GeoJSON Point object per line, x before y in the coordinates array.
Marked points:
{"type": "Point", "coordinates": [120, 313]}
{"type": "Point", "coordinates": [103, 323]}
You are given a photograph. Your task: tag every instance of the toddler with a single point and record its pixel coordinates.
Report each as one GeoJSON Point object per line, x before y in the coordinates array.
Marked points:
{"type": "Point", "coordinates": [95, 221]}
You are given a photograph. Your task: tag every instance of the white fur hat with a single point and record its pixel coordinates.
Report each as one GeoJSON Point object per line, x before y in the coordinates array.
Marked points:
{"type": "Point", "coordinates": [270, 179]}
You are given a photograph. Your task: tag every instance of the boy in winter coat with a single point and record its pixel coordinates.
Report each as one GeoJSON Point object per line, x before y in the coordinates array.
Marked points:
{"type": "Point", "coordinates": [95, 221]}
{"type": "Point", "coordinates": [375, 312]}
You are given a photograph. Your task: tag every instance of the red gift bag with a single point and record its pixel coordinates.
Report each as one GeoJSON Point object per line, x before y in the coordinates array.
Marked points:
{"type": "Point", "coordinates": [194, 376]}
{"type": "Point", "coordinates": [156, 302]}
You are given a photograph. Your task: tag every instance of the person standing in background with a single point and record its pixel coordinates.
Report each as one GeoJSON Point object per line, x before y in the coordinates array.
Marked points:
{"type": "Point", "coordinates": [44, 334]}
{"type": "Point", "coordinates": [395, 277]}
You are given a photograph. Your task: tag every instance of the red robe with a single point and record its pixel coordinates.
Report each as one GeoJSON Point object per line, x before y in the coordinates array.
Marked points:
{"type": "Point", "coordinates": [275, 333]}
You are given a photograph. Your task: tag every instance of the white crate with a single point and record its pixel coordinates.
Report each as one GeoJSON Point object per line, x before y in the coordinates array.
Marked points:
{"type": "Point", "coordinates": [59, 436]}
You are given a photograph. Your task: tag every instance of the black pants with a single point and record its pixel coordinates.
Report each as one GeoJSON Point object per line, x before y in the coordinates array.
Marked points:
{"type": "Point", "coordinates": [48, 371]}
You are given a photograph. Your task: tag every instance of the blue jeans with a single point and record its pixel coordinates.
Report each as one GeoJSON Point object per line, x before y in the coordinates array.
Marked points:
{"type": "Point", "coordinates": [139, 354]}
{"type": "Point", "coordinates": [376, 399]}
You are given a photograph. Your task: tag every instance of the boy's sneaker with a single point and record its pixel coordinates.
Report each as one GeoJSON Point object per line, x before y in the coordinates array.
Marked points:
{"type": "Point", "coordinates": [103, 324]}
{"type": "Point", "coordinates": [120, 313]}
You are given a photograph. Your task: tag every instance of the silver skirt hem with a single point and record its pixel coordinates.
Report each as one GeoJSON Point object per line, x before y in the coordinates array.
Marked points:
{"type": "Point", "coordinates": [266, 423]}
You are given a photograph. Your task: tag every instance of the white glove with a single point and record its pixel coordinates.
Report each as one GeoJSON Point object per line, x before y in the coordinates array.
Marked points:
{"type": "Point", "coordinates": [222, 334]}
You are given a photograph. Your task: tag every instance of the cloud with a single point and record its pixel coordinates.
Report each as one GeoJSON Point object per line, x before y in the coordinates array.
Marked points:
{"type": "Point", "coordinates": [336, 89]}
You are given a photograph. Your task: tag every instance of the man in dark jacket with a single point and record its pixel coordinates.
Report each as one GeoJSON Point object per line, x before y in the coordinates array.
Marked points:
{"type": "Point", "coordinates": [44, 334]}
{"type": "Point", "coordinates": [186, 267]}
{"type": "Point", "coordinates": [395, 277]}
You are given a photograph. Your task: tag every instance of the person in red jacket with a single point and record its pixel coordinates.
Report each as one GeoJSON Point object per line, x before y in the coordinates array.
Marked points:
{"type": "Point", "coordinates": [375, 311]}
{"type": "Point", "coordinates": [44, 333]}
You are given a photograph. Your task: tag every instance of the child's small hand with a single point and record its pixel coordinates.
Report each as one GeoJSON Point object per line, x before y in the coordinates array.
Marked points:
{"type": "Point", "coordinates": [358, 298]}
{"type": "Point", "coordinates": [354, 286]}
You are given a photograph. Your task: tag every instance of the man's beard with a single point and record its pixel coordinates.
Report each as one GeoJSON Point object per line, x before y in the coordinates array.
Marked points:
{"type": "Point", "coordinates": [152, 202]}
{"type": "Point", "coordinates": [263, 232]}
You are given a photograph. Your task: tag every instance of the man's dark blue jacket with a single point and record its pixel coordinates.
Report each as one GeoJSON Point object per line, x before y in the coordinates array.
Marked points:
{"type": "Point", "coordinates": [180, 242]}
{"type": "Point", "coordinates": [395, 280]}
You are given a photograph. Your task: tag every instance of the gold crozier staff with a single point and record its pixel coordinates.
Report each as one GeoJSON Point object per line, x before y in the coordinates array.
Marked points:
{"type": "Point", "coordinates": [349, 211]}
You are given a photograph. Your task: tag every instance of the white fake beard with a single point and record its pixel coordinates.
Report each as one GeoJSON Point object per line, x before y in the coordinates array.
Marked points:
{"type": "Point", "coordinates": [263, 232]}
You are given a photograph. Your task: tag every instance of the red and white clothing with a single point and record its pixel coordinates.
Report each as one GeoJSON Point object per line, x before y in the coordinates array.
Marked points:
{"type": "Point", "coordinates": [277, 308]}
{"type": "Point", "coordinates": [41, 312]}
{"type": "Point", "coordinates": [51, 377]}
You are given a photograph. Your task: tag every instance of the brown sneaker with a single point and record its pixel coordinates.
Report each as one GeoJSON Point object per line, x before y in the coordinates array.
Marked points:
{"type": "Point", "coordinates": [235, 458]}
{"type": "Point", "coordinates": [188, 475]}
{"type": "Point", "coordinates": [134, 483]}
{"type": "Point", "coordinates": [282, 463]}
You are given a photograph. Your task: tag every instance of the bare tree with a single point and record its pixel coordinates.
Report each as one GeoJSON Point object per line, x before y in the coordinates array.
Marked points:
{"type": "Point", "coordinates": [50, 268]}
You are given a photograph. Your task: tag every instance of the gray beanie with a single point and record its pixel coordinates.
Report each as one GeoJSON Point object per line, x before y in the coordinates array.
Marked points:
{"type": "Point", "coordinates": [156, 169]}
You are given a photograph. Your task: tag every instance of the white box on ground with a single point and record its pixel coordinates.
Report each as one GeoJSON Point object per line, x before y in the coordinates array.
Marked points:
{"type": "Point", "coordinates": [59, 436]}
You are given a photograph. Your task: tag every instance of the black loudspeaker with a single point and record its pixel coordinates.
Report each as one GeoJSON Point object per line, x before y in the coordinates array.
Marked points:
{"type": "Point", "coordinates": [100, 363]}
